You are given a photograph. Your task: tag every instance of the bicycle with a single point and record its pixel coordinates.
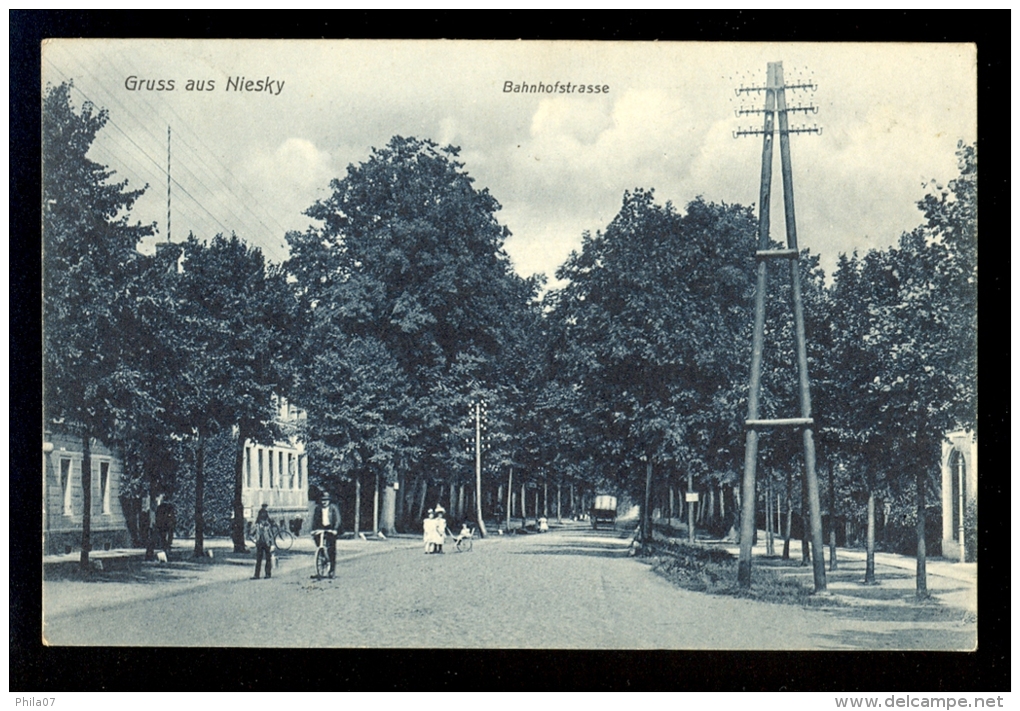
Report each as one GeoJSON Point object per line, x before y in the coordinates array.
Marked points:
{"type": "Point", "coordinates": [282, 538]}
{"type": "Point", "coordinates": [464, 541]}
{"type": "Point", "coordinates": [321, 554]}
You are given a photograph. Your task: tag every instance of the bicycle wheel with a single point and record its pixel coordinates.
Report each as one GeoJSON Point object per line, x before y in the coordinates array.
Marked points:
{"type": "Point", "coordinates": [284, 539]}
{"type": "Point", "coordinates": [465, 544]}
{"type": "Point", "coordinates": [321, 562]}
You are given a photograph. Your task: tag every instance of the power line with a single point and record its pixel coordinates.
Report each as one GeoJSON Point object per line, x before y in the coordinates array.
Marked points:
{"type": "Point", "coordinates": [226, 230]}
{"type": "Point", "coordinates": [243, 204]}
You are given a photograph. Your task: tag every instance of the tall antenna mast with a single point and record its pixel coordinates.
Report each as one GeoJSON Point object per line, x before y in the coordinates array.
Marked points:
{"type": "Point", "coordinates": [775, 107]}
{"type": "Point", "coordinates": [168, 183]}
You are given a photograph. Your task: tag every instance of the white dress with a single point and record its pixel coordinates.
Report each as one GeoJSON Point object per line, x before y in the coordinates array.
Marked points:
{"type": "Point", "coordinates": [432, 531]}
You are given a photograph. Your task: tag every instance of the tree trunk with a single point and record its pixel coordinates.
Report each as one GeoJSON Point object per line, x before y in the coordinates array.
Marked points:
{"type": "Point", "coordinates": [779, 514]}
{"type": "Point", "coordinates": [421, 501]}
{"type": "Point", "coordinates": [453, 499]}
{"type": "Point", "coordinates": [402, 500]}
{"type": "Point", "coordinates": [86, 502]}
{"type": "Point", "coordinates": [833, 565]}
{"type": "Point", "coordinates": [922, 573]}
{"type": "Point", "coordinates": [461, 511]}
{"type": "Point", "coordinates": [690, 507]}
{"type": "Point", "coordinates": [389, 510]}
{"type": "Point", "coordinates": [200, 497]}
{"type": "Point", "coordinates": [770, 545]}
{"type": "Point", "coordinates": [375, 505]}
{"type": "Point", "coordinates": [573, 509]}
{"type": "Point", "coordinates": [357, 505]}
{"type": "Point", "coordinates": [646, 512]}
{"type": "Point", "coordinates": [150, 525]}
{"type": "Point", "coordinates": [545, 498]}
{"type": "Point", "coordinates": [509, 498]}
{"type": "Point", "coordinates": [869, 565]}
{"type": "Point", "coordinates": [524, 506]}
{"type": "Point", "coordinates": [559, 502]}
{"type": "Point", "coordinates": [789, 514]}
{"type": "Point", "coordinates": [237, 524]}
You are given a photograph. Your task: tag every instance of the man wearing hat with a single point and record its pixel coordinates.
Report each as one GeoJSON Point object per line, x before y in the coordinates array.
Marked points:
{"type": "Point", "coordinates": [326, 518]}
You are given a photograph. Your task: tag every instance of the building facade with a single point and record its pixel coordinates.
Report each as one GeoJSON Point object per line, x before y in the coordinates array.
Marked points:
{"type": "Point", "coordinates": [277, 475]}
{"type": "Point", "coordinates": [63, 496]}
{"type": "Point", "coordinates": [959, 495]}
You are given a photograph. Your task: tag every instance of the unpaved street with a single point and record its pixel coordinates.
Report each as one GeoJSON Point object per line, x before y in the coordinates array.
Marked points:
{"type": "Point", "coordinates": [572, 588]}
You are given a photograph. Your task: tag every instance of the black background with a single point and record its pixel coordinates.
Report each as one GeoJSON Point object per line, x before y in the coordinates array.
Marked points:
{"type": "Point", "coordinates": [34, 667]}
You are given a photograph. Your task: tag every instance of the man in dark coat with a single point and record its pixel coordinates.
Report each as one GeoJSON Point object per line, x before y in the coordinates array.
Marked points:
{"type": "Point", "coordinates": [264, 538]}
{"type": "Point", "coordinates": [166, 521]}
{"type": "Point", "coordinates": [326, 518]}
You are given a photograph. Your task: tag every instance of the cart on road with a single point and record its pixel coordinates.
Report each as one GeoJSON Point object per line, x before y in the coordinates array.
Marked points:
{"type": "Point", "coordinates": [603, 511]}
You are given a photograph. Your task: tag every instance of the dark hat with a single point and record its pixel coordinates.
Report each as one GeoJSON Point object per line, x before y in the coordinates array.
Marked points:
{"type": "Point", "coordinates": [324, 495]}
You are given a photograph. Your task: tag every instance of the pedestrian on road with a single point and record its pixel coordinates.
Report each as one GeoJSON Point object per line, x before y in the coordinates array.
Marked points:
{"type": "Point", "coordinates": [428, 527]}
{"type": "Point", "coordinates": [264, 540]}
{"type": "Point", "coordinates": [326, 518]}
{"type": "Point", "coordinates": [166, 521]}
{"type": "Point", "coordinates": [441, 529]}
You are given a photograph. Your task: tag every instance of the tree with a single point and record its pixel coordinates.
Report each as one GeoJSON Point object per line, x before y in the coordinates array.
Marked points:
{"type": "Point", "coordinates": [408, 262]}
{"type": "Point", "coordinates": [650, 327]}
{"type": "Point", "coordinates": [89, 256]}
{"type": "Point", "coordinates": [236, 335]}
{"type": "Point", "coordinates": [906, 353]}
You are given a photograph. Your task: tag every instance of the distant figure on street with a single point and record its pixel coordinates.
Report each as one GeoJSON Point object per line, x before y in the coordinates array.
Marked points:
{"type": "Point", "coordinates": [428, 527]}
{"type": "Point", "coordinates": [264, 539]}
{"type": "Point", "coordinates": [441, 529]}
{"type": "Point", "coordinates": [326, 518]}
{"type": "Point", "coordinates": [543, 525]}
{"type": "Point", "coordinates": [166, 521]}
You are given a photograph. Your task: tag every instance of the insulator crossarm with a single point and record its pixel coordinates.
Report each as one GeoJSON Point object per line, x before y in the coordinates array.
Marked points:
{"type": "Point", "coordinates": [783, 422]}
{"type": "Point", "coordinates": [776, 253]}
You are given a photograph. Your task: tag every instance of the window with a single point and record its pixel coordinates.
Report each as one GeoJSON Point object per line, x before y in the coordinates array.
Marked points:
{"type": "Point", "coordinates": [65, 484]}
{"type": "Point", "coordinates": [104, 485]}
{"type": "Point", "coordinates": [247, 467]}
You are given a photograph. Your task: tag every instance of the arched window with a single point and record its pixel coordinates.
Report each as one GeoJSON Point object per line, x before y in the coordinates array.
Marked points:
{"type": "Point", "coordinates": [958, 475]}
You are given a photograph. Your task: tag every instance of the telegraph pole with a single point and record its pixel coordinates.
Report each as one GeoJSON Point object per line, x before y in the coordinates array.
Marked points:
{"type": "Point", "coordinates": [776, 107]}
{"type": "Point", "coordinates": [168, 183]}
{"type": "Point", "coordinates": [479, 407]}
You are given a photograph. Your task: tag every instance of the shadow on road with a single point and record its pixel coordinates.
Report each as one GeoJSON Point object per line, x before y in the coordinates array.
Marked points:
{"type": "Point", "coordinates": [133, 569]}
{"type": "Point", "coordinates": [920, 638]}
{"type": "Point", "coordinates": [601, 552]}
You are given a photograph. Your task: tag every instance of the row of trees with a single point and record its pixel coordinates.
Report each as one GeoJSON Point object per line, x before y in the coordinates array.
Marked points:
{"type": "Point", "coordinates": [149, 352]}
{"type": "Point", "coordinates": [398, 310]}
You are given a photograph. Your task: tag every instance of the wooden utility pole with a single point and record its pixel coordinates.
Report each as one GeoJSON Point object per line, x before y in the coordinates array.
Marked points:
{"type": "Point", "coordinates": [478, 468]}
{"type": "Point", "coordinates": [775, 107]}
{"type": "Point", "coordinates": [168, 183]}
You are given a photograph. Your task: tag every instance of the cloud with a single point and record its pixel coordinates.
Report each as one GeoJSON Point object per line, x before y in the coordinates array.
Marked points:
{"type": "Point", "coordinates": [290, 179]}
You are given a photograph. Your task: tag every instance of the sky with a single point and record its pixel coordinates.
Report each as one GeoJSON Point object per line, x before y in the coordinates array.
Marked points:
{"type": "Point", "coordinates": [559, 163]}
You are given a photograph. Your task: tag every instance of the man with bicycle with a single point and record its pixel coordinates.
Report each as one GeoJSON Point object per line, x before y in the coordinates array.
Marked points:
{"type": "Point", "coordinates": [326, 518]}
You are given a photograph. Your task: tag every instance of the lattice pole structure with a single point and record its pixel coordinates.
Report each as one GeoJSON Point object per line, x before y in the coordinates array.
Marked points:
{"type": "Point", "coordinates": [776, 108]}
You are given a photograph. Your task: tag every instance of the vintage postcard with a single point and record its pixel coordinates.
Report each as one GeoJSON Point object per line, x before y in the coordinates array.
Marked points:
{"type": "Point", "coordinates": [509, 345]}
